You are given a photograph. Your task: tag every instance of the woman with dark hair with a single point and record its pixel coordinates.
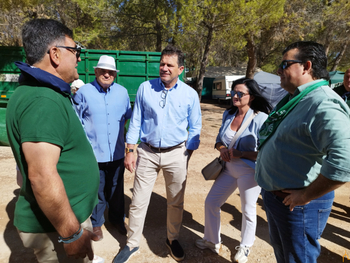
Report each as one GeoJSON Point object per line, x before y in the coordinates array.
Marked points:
{"type": "Point", "coordinates": [240, 167]}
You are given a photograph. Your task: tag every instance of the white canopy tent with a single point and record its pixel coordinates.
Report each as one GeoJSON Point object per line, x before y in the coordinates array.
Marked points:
{"type": "Point", "coordinates": [270, 86]}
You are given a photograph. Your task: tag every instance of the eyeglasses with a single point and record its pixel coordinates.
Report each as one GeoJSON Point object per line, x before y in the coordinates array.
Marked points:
{"type": "Point", "coordinates": [163, 96]}
{"type": "Point", "coordinates": [75, 50]}
{"type": "Point", "coordinates": [239, 94]}
{"type": "Point", "coordinates": [285, 64]}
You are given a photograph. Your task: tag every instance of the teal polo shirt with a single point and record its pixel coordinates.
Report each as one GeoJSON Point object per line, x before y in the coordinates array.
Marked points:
{"type": "Point", "coordinates": [314, 138]}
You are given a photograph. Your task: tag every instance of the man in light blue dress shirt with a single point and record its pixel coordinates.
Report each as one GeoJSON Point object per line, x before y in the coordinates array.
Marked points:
{"type": "Point", "coordinates": [167, 119]}
{"type": "Point", "coordinates": [103, 108]}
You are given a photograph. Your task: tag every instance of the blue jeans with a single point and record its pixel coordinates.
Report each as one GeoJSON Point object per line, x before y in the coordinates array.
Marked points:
{"type": "Point", "coordinates": [110, 193]}
{"type": "Point", "coordinates": [294, 235]}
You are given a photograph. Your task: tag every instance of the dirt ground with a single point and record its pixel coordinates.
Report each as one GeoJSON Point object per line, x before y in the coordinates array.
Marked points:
{"type": "Point", "coordinates": [335, 240]}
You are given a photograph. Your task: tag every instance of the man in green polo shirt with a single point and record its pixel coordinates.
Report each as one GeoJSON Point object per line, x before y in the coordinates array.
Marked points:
{"type": "Point", "coordinates": [60, 172]}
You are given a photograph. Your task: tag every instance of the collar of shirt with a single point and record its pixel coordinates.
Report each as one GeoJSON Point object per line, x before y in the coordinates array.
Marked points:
{"type": "Point", "coordinates": [99, 88]}
{"type": "Point", "coordinates": [304, 86]}
{"type": "Point", "coordinates": [162, 84]}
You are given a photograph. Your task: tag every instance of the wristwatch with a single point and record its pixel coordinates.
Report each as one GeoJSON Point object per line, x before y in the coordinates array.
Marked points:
{"type": "Point", "coordinates": [127, 150]}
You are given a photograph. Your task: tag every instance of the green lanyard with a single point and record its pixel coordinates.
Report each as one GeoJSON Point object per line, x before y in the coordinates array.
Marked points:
{"type": "Point", "coordinates": [281, 111]}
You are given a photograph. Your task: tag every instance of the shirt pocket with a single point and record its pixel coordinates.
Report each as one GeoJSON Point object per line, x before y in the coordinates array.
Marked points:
{"type": "Point", "coordinates": [180, 113]}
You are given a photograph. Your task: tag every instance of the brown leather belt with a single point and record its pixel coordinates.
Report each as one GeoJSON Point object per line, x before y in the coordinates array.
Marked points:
{"type": "Point", "coordinates": [280, 194]}
{"type": "Point", "coordinates": [163, 150]}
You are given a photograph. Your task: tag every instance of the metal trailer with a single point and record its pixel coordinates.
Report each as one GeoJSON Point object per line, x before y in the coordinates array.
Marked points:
{"type": "Point", "coordinates": [222, 87]}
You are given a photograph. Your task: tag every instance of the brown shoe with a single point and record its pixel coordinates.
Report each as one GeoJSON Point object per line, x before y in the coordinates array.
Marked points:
{"type": "Point", "coordinates": [98, 232]}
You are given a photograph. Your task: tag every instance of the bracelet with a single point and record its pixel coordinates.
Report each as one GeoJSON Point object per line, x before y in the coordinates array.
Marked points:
{"type": "Point", "coordinates": [222, 146]}
{"type": "Point", "coordinates": [72, 238]}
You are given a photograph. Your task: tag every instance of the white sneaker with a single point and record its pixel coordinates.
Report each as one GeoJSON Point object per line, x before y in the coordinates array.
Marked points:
{"type": "Point", "coordinates": [203, 244]}
{"type": "Point", "coordinates": [242, 254]}
{"type": "Point", "coordinates": [98, 259]}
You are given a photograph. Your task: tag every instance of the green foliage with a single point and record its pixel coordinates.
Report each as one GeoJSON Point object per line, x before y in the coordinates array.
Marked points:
{"type": "Point", "coordinates": [210, 32]}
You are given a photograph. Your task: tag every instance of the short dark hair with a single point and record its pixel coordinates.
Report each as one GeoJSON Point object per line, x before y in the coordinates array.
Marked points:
{"type": "Point", "coordinates": [39, 34]}
{"type": "Point", "coordinates": [172, 50]}
{"type": "Point", "coordinates": [259, 103]}
{"type": "Point", "coordinates": [314, 52]}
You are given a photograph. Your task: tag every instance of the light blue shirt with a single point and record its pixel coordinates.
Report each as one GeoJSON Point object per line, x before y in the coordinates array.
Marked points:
{"type": "Point", "coordinates": [165, 126]}
{"type": "Point", "coordinates": [314, 138]}
{"type": "Point", "coordinates": [103, 115]}
{"type": "Point", "coordinates": [248, 141]}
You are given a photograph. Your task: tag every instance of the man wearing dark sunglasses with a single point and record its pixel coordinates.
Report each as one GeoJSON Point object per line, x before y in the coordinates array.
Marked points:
{"type": "Point", "coordinates": [303, 154]}
{"type": "Point", "coordinates": [59, 169]}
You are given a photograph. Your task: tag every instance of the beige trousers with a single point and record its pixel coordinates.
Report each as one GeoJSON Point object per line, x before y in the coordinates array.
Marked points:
{"type": "Point", "coordinates": [148, 165]}
{"type": "Point", "coordinates": [46, 247]}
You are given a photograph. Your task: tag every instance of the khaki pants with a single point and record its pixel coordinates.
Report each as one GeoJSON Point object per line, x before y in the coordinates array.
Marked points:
{"type": "Point", "coordinates": [149, 163]}
{"type": "Point", "coordinates": [46, 247]}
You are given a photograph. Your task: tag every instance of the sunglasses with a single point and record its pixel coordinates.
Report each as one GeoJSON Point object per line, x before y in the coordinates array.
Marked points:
{"type": "Point", "coordinates": [75, 50]}
{"type": "Point", "coordinates": [239, 94]}
{"type": "Point", "coordinates": [285, 64]}
{"type": "Point", "coordinates": [163, 96]}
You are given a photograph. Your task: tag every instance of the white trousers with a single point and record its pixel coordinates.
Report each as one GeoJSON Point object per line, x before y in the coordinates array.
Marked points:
{"type": "Point", "coordinates": [174, 166]}
{"type": "Point", "coordinates": [236, 174]}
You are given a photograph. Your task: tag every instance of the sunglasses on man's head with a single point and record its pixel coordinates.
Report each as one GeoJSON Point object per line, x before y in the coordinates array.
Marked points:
{"type": "Point", "coordinates": [287, 63]}
{"type": "Point", "coordinates": [239, 94]}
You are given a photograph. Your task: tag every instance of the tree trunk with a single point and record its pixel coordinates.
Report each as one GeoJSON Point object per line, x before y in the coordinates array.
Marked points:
{"type": "Point", "coordinates": [159, 36]}
{"type": "Point", "coordinates": [327, 46]}
{"type": "Point", "coordinates": [251, 51]}
{"type": "Point", "coordinates": [339, 57]}
{"type": "Point", "coordinates": [204, 62]}
{"type": "Point", "coordinates": [158, 29]}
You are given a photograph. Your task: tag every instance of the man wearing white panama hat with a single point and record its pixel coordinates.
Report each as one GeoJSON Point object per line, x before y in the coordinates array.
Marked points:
{"type": "Point", "coordinates": [103, 107]}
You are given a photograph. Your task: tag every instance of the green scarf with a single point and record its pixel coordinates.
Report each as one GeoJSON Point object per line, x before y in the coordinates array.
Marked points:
{"type": "Point", "coordinates": [281, 111]}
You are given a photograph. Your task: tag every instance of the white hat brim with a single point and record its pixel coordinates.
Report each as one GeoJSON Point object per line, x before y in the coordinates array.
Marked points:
{"type": "Point", "coordinates": [106, 67]}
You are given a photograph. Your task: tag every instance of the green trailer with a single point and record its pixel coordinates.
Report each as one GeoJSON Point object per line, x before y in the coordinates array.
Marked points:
{"type": "Point", "coordinates": [135, 67]}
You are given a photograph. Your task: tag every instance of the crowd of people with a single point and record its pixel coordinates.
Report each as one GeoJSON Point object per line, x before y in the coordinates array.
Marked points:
{"type": "Point", "coordinates": [71, 150]}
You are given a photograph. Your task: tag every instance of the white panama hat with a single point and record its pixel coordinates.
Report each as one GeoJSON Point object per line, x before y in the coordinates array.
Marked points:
{"type": "Point", "coordinates": [107, 62]}
{"type": "Point", "coordinates": [77, 83]}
